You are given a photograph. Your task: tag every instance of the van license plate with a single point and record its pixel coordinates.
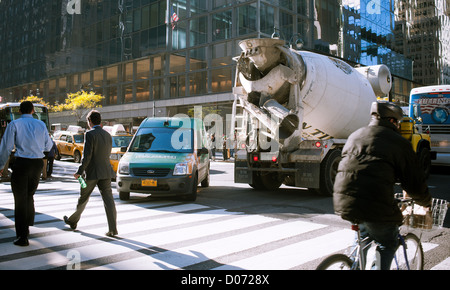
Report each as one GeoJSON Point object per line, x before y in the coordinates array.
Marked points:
{"type": "Point", "coordinates": [149, 182]}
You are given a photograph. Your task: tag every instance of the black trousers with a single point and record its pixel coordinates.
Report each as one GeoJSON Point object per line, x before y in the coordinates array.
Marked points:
{"type": "Point", "coordinates": [24, 182]}
{"type": "Point", "coordinates": [104, 185]}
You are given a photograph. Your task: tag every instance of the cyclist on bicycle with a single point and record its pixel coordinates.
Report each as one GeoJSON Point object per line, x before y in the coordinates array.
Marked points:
{"type": "Point", "coordinates": [373, 160]}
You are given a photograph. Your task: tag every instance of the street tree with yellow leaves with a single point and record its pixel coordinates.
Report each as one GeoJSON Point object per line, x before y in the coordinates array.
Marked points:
{"type": "Point", "coordinates": [35, 100]}
{"type": "Point", "coordinates": [80, 103]}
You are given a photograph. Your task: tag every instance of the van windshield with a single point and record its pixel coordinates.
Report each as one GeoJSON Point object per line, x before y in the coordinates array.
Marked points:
{"type": "Point", "coordinates": [163, 140]}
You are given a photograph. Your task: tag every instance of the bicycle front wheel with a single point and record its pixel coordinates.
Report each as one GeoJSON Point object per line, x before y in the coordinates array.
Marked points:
{"type": "Point", "coordinates": [336, 262]}
{"type": "Point", "coordinates": [409, 256]}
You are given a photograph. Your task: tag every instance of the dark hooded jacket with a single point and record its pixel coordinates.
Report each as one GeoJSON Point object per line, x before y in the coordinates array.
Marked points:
{"type": "Point", "coordinates": [373, 160]}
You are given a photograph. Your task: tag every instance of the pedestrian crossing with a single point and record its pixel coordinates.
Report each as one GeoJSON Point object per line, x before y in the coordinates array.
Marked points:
{"type": "Point", "coordinates": [161, 234]}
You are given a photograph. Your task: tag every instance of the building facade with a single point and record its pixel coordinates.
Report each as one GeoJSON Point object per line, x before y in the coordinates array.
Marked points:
{"type": "Point", "coordinates": [423, 31]}
{"type": "Point", "coordinates": [162, 57]}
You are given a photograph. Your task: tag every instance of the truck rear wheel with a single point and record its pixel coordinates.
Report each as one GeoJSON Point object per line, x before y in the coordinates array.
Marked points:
{"type": "Point", "coordinates": [328, 172]}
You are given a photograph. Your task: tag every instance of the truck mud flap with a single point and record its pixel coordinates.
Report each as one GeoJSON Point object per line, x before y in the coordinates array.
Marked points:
{"type": "Point", "coordinates": [307, 175]}
{"type": "Point", "coordinates": [242, 174]}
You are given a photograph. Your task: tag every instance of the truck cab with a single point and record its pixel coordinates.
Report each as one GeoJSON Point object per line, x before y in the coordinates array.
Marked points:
{"type": "Point", "coordinates": [420, 141]}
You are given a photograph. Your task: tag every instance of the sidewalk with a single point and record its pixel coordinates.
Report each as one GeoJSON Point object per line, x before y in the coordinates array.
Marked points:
{"type": "Point", "coordinates": [219, 158]}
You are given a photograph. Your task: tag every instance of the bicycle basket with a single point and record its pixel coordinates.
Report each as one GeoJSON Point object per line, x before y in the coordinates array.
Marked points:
{"type": "Point", "coordinates": [416, 216]}
{"type": "Point", "coordinates": [439, 210]}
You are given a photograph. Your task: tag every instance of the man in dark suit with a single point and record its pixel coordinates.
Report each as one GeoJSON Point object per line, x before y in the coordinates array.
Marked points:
{"type": "Point", "coordinates": [96, 165]}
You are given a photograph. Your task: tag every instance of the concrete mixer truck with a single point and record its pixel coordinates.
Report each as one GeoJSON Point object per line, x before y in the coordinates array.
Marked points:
{"type": "Point", "coordinates": [293, 111]}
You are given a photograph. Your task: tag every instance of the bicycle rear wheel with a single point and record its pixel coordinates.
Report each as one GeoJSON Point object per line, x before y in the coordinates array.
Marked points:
{"type": "Point", "coordinates": [336, 262]}
{"type": "Point", "coordinates": [414, 254]}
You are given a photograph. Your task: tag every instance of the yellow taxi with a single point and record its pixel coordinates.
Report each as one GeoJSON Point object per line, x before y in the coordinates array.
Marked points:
{"type": "Point", "coordinates": [120, 138]}
{"type": "Point", "coordinates": [69, 143]}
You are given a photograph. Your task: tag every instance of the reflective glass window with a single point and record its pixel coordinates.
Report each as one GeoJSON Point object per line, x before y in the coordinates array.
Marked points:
{"type": "Point", "coordinates": [142, 91]}
{"type": "Point", "coordinates": [128, 93]}
{"type": "Point", "coordinates": [157, 88]}
{"type": "Point", "coordinates": [286, 25]}
{"type": "Point", "coordinates": [287, 4]}
{"type": "Point", "coordinates": [128, 72]}
{"type": "Point", "coordinates": [111, 75]}
{"type": "Point", "coordinates": [179, 36]}
{"type": "Point", "coordinates": [199, 7]}
{"type": "Point", "coordinates": [221, 3]}
{"type": "Point", "coordinates": [157, 66]}
{"type": "Point", "coordinates": [97, 78]}
{"type": "Point", "coordinates": [198, 31]}
{"type": "Point", "coordinates": [198, 58]}
{"type": "Point", "coordinates": [142, 69]}
{"type": "Point", "coordinates": [222, 54]}
{"type": "Point", "coordinates": [267, 19]}
{"type": "Point", "coordinates": [137, 19]}
{"type": "Point", "coordinates": [112, 95]}
{"type": "Point", "coordinates": [85, 79]}
{"type": "Point", "coordinates": [221, 80]}
{"type": "Point", "coordinates": [62, 82]}
{"type": "Point", "coordinates": [145, 17]}
{"type": "Point", "coordinates": [198, 83]}
{"type": "Point", "coordinates": [177, 86]}
{"type": "Point", "coordinates": [221, 25]}
{"type": "Point", "coordinates": [247, 18]}
{"type": "Point", "coordinates": [52, 87]}
{"type": "Point", "coordinates": [177, 63]}
{"type": "Point", "coordinates": [180, 7]}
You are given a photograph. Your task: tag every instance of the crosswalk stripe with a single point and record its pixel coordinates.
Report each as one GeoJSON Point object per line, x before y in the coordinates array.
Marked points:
{"type": "Point", "coordinates": [444, 265]}
{"type": "Point", "coordinates": [96, 216]}
{"type": "Point", "coordinates": [185, 256]}
{"type": "Point", "coordinates": [164, 234]}
{"type": "Point", "coordinates": [98, 250]}
{"type": "Point", "coordinates": [296, 254]}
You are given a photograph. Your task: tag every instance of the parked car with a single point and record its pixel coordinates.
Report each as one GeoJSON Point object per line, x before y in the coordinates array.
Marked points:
{"type": "Point", "coordinates": [69, 144]}
{"type": "Point", "coordinates": [167, 157]}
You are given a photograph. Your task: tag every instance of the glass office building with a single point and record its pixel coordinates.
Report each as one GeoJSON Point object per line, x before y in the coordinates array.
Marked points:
{"type": "Point", "coordinates": [423, 28]}
{"type": "Point", "coordinates": [162, 57]}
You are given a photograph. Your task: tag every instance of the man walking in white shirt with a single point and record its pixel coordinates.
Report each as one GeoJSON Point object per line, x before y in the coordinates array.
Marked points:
{"type": "Point", "coordinates": [30, 138]}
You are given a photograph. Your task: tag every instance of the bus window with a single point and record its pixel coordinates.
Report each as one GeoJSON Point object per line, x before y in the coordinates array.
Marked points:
{"type": "Point", "coordinates": [40, 113]}
{"type": "Point", "coordinates": [10, 112]}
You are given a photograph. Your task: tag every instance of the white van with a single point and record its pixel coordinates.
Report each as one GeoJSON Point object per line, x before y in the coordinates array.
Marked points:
{"type": "Point", "coordinates": [167, 157]}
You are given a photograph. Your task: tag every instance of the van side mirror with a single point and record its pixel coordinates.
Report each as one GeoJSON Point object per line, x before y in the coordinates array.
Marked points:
{"type": "Point", "coordinates": [123, 149]}
{"type": "Point", "coordinates": [203, 151]}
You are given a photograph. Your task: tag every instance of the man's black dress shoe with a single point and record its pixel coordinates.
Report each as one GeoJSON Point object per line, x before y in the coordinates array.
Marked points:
{"type": "Point", "coordinates": [21, 241]}
{"type": "Point", "coordinates": [72, 226]}
{"type": "Point", "coordinates": [111, 234]}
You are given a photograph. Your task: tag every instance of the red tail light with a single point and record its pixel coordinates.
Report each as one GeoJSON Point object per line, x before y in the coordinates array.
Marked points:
{"type": "Point", "coordinates": [355, 227]}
